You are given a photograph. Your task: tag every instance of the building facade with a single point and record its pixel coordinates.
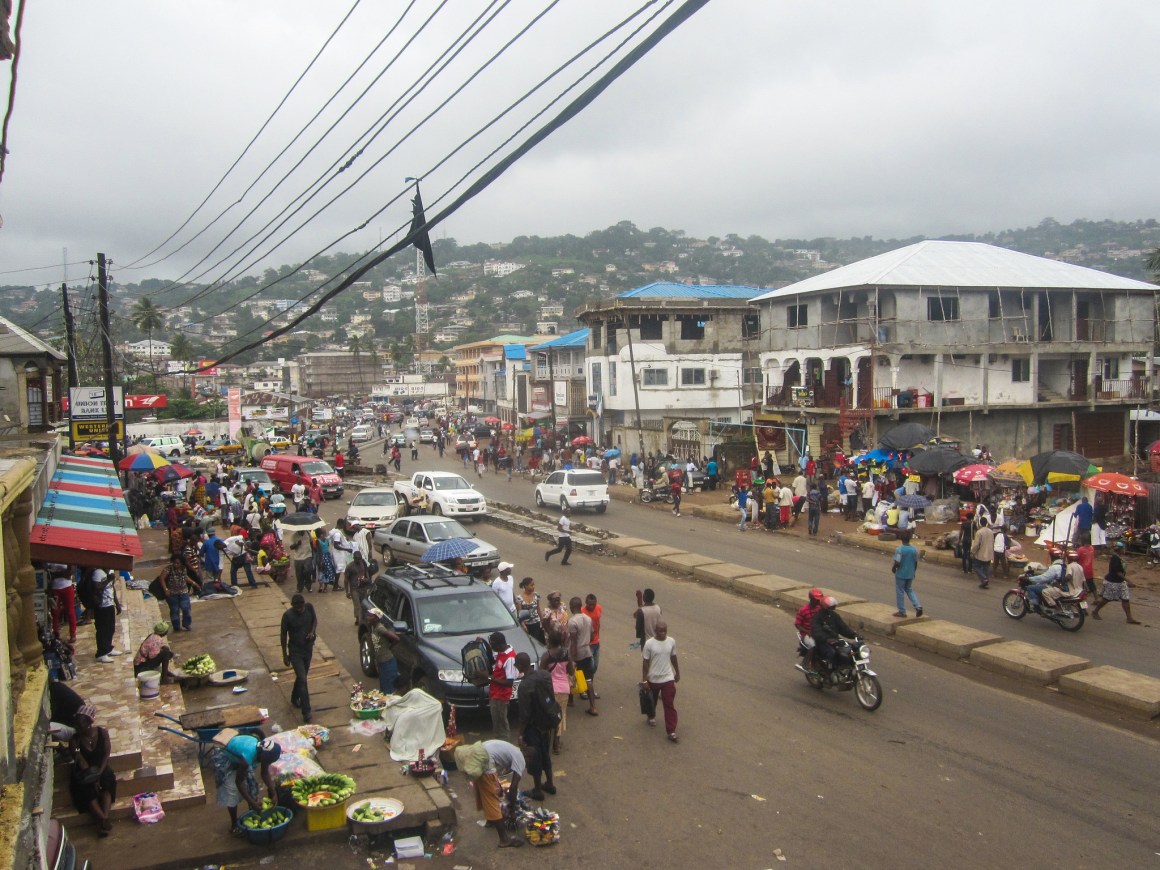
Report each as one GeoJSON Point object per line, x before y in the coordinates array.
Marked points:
{"type": "Point", "coordinates": [983, 344]}
{"type": "Point", "coordinates": [673, 368]}
{"type": "Point", "coordinates": [329, 373]}
{"type": "Point", "coordinates": [559, 385]}
{"type": "Point", "coordinates": [477, 365]}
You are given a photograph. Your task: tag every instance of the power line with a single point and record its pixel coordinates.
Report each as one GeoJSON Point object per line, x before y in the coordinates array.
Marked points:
{"type": "Point", "coordinates": [245, 150]}
{"type": "Point", "coordinates": [17, 45]}
{"type": "Point", "coordinates": [682, 14]}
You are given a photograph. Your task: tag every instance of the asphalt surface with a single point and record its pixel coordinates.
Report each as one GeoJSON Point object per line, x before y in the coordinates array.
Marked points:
{"type": "Point", "coordinates": [946, 593]}
{"type": "Point", "coordinates": [954, 769]}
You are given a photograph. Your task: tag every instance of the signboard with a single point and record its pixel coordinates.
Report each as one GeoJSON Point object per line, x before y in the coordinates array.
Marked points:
{"type": "Point", "coordinates": [96, 430]}
{"type": "Point", "coordinates": [88, 403]}
{"type": "Point", "coordinates": [151, 402]}
{"type": "Point", "coordinates": [234, 404]}
{"type": "Point", "coordinates": [211, 372]}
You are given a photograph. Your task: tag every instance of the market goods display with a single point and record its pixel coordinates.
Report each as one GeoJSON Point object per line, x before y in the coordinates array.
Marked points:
{"type": "Point", "coordinates": [367, 704]}
{"type": "Point", "coordinates": [376, 811]}
{"type": "Point", "coordinates": [264, 820]}
{"type": "Point", "coordinates": [199, 666]}
{"type": "Point", "coordinates": [326, 790]}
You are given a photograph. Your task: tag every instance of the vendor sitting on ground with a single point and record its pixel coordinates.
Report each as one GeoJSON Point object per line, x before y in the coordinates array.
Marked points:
{"type": "Point", "coordinates": [93, 784]}
{"type": "Point", "coordinates": [154, 653]}
{"type": "Point", "coordinates": [233, 769]}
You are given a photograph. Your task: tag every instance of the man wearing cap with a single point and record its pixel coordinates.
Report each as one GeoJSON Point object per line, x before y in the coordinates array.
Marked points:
{"type": "Point", "coordinates": [484, 764]}
{"type": "Point", "coordinates": [233, 768]}
{"type": "Point", "coordinates": [299, 628]}
{"type": "Point", "coordinates": [505, 586]}
{"type": "Point", "coordinates": [499, 690]}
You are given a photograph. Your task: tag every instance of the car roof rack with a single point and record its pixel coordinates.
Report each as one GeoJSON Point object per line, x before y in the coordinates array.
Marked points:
{"type": "Point", "coordinates": [429, 576]}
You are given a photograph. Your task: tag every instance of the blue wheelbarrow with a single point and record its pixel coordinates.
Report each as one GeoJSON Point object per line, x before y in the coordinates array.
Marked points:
{"type": "Point", "coordinates": [202, 735]}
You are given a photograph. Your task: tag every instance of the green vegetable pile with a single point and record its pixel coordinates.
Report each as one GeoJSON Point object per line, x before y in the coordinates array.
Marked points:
{"type": "Point", "coordinates": [264, 820]}
{"type": "Point", "coordinates": [324, 790]}
{"type": "Point", "coordinates": [371, 813]}
{"type": "Point", "coordinates": [199, 666]}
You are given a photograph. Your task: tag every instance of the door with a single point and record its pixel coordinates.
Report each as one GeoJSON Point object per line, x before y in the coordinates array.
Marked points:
{"type": "Point", "coordinates": [552, 486]}
{"type": "Point", "coordinates": [417, 542]}
{"type": "Point", "coordinates": [1082, 320]}
{"type": "Point", "coordinates": [1079, 380]}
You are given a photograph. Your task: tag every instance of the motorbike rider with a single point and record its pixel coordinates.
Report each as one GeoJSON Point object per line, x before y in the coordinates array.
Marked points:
{"type": "Point", "coordinates": [1052, 576]}
{"type": "Point", "coordinates": [827, 629]}
{"type": "Point", "coordinates": [804, 624]}
{"type": "Point", "coordinates": [1071, 583]}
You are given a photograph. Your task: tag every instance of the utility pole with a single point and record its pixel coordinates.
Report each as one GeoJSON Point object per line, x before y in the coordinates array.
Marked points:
{"type": "Point", "coordinates": [107, 347]}
{"type": "Point", "coordinates": [71, 349]}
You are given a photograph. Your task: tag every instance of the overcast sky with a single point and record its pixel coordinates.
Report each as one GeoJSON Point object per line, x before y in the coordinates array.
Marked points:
{"type": "Point", "coordinates": [778, 119]}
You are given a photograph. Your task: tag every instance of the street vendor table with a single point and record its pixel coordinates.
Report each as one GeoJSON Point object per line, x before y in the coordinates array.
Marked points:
{"type": "Point", "coordinates": [221, 717]}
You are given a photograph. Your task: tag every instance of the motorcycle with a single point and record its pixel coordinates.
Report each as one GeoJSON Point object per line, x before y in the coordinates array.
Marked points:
{"type": "Point", "coordinates": [851, 670]}
{"type": "Point", "coordinates": [1068, 614]}
{"type": "Point", "coordinates": [655, 491]}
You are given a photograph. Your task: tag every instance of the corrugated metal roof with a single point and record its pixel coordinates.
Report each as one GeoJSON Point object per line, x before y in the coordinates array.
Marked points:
{"type": "Point", "coordinates": [579, 338]}
{"type": "Point", "coordinates": [515, 351]}
{"type": "Point", "coordinates": [16, 341]}
{"type": "Point", "coordinates": [673, 290]}
{"type": "Point", "coordinates": [960, 264]}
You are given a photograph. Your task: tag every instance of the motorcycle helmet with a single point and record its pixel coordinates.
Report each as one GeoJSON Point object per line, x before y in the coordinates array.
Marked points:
{"type": "Point", "coordinates": [829, 602]}
{"type": "Point", "coordinates": [817, 594]}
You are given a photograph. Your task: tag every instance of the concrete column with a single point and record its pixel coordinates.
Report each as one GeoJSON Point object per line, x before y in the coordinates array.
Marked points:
{"type": "Point", "coordinates": [938, 379]}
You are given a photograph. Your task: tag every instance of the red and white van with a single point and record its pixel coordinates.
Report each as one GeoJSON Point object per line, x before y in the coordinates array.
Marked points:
{"type": "Point", "coordinates": [287, 469]}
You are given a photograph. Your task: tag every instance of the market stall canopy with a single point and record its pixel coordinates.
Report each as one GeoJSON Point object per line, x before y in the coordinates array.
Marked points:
{"type": "Point", "coordinates": [1008, 474]}
{"type": "Point", "coordinates": [1059, 530]}
{"type": "Point", "coordinates": [940, 460]}
{"type": "Point", "coordinates": [1063, 462]}
{"type": "Point", "coordinates": [84, 519]}
{"type": "Point", "coordinates": [1116, 484]}
{"type": "Point", "coordinates": [173, 471]}
{"type": "Point", "coordinates": [143, 462]}
{"type": "Point", "coordinates": [877, 457]}
{"type": "Point", "coordinates": [913, 501]}
{"type": "Point", "coordinates": [906, 436]}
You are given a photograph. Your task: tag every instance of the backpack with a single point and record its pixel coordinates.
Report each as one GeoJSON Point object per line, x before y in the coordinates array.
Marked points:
{"type": "Point", "coordinates": [88, 592]}
{"type": "Point", "coordinates": [477, 662]}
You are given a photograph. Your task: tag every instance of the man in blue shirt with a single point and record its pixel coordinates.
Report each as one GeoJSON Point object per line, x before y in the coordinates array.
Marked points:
{"type": "Point", "coordinates": [211, 555]}
{"type": "Point", "coordinates": [1084, 512]}
{"type": "Point", "coordinates": [711, 473]}
{"type": "Point", "coordinates": [905, 567]}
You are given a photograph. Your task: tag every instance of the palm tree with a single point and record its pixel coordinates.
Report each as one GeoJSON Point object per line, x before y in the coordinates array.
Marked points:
{"type": "Point", "coordinates": [181, 349]}
{"type": "Point", "coordinates": [1154, 264]}
{"type": "Point", "coordinates": [147, 317]}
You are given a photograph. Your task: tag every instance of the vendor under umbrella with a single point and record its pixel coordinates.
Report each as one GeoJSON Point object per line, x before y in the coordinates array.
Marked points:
{"type": "Point", "coordinates": [154, 653]}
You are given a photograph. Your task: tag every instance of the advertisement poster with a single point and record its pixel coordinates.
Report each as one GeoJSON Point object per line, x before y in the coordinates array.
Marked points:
{"type": "Point", "coordinates": [234, 405]}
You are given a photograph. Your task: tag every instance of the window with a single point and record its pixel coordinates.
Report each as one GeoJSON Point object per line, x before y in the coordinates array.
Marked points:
{"type": "Point", "coordinates": [1020, 370]}
{"type": "Point", "coordinates": [597, 381]}
{"type": "Point", "coordinates": [796, 316]}
{"type": "Point", "coordinates": [597, 329]}
{"type": "Point", "coordinates": [655, 378]}
{"type": "Point", "coordinates": [692, 327]}
{"type": "Point", "coordinates": [612, 377]}
{"type": "Point", "coordinates": [1111, 369]}
{"type": "Point", "coordinates": [994, 306]}
{"type": "Point", "coordinates": [692, 377]}
{"type": "Point", "coordinates": [942, 308]}
{"type": "Point", "coordinates": [650, 327]}
{"type": "Point", "coordinates": [751, 375]}
{"type": "Point", "coordinates": [751, 326]}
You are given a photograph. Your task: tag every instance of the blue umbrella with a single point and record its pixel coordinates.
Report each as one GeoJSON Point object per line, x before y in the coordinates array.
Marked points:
{"type": "Point", "coordinates": [452, 548]}
{"type": "Point", "coordinates": [611, 452]}
{"type": "Point", "coordinates": [875, 456]}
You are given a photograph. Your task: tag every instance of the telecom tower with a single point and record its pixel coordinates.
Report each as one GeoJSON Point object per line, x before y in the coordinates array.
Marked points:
{"type": "Point", "coordinates": [422, 312]}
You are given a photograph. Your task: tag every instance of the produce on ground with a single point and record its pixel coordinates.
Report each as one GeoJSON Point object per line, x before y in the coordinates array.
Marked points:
{"type": "Point", "coordinates": [263, 821]}
{"type": "Point", "coordinates": [322, 791]}
{"type": "Point", "coordinates": [199, 666]}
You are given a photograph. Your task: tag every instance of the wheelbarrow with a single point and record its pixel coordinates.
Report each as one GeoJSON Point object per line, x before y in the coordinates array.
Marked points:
{"type": "Point", "coordinates": [203, 735]}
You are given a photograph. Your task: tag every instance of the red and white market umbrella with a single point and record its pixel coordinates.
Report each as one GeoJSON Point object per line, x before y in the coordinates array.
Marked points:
{"type": "Point", "coordinates": [1116, 484]}
{"type": "Point", "coordinates": [970, 474]}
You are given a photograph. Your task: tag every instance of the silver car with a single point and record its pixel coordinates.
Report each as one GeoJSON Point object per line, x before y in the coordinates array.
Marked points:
{"type": "Point", "coordinates": [407, 539]}
{"type": "Point", "coordinates": [374, 507]}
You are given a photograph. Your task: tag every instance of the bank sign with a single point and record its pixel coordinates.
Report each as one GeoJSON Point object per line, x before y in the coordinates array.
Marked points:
{"type": "Point", "coordinates": [88, 403]}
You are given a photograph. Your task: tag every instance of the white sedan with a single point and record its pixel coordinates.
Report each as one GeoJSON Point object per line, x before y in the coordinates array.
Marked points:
{"type": "Point", "coordinates": [374, 506]}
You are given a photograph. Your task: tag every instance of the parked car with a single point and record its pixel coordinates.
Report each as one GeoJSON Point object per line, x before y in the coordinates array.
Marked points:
{"type": "Point", "coordinates": [435, 612]}
{"type": "Point", "coordinates": [259, 476]}
{"type": "Point", "coordinates": [167, 445]}
{"type": "Point", "coordinates": [374, 507]}
{"type": "Point", "coordinates": [407, 539]}
{"type": "Point", "coordinates": [220, 447]}
{"type": "Point", "coordinates": [573, 489]}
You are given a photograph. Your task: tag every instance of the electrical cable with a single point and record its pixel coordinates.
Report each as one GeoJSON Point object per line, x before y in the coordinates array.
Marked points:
{"type": "Point", "coordinates": [43, 268]}
{"type": "Point", "coordinates": [578, 104]}
{"type": "Point", "coordinates": [250, 144]}
{"type": "Point", "coordinates": [17, 44]}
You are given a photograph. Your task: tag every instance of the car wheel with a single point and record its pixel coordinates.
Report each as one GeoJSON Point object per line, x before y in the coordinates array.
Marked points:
{"type": "Point", "coordinates": [175, 454]}
{"type": "Point", "coordinates": [539, 499]}
{"type": "Point", "coordinates": [563, 503]}
{"type": "Point", "coordinates": [388, 557]}
{"type": "Point", "coordinates": [366, 655]}
{"type": "Point", "coordinates": [601, 508]}
{"type": "Point", "coordinates": [437, 509]}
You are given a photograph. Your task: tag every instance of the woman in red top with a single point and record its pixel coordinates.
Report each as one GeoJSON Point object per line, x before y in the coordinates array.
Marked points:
{"type": "Point", "coordinates": [594, 611]}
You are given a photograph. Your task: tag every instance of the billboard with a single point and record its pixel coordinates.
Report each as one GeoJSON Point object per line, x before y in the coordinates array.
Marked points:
{"type": "Point", "coordinates": [88, 403]}
{"type": "Point", "coordinates": [148, 402]}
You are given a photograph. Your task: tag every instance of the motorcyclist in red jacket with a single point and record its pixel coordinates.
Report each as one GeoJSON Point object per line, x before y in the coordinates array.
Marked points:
{"type": "Point", "coordinates": [804, 623]}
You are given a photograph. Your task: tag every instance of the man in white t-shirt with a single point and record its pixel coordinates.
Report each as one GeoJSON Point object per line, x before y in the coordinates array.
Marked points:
{"type": "Point", "coordinates": [505, 585]}
{"type": "Point", "coordinates": [297, 493]}
{"type": "Point", "coordinates": [563, 537]}
{"type": "Point", "coordinates": [660, 674]}
{"type": "Point", "coordinates": [801, 486]}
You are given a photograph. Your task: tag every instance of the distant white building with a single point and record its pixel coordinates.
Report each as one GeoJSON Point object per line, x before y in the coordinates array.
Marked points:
{"type": "Point", "coordinates": [148, 348]}
{"type": "Point", "coordinates": [392, 293]}
{"type": "Point", "coordinates": [501, 268]}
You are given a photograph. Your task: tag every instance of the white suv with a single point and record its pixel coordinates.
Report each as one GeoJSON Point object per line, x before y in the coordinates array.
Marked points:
{"type": "Point", "coordinates": [167, 445]}
{"type": "Point", "coordinates": [573, 489]}
{"type": "Point", "coordinates": [443, 492]}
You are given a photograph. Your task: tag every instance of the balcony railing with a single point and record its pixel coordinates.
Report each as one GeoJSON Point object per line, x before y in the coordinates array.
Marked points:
{"type": "Point", "coordinates": [1123, 388]}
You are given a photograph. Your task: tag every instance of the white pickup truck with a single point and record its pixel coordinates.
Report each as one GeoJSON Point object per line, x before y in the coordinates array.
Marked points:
{"type": "Point", "coordinates": [442, 493]}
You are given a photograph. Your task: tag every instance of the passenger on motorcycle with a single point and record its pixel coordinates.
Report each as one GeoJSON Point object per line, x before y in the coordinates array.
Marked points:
{"type": "Point", "coordinates": [1070, 584]}
{"type": "Point", "coordinates": [804, 624]}
{"type": "Point", "coordinates": [1039, 582]}
{"type": "Point", "coordinates": [827, 629]}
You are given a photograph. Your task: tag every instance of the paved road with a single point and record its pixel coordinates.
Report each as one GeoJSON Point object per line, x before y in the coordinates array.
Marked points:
{"type": "Point", "coordinates": [945, 592]}
{"type": "Point", "coordinates": [951, 769]}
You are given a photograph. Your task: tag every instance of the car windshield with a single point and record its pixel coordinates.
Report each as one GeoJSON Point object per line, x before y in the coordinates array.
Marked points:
{"type": "Point", "coordinates": [316, 467]}
{"type": "Point", "coordinates": [455, 482]}
{"type": "Point", "coordinates": [586, 478]}
{"type": "Point", "coordinates": [475, 613]}
{"type": "Point", "coordinates": [445, 530]}
{"type": "Point", "coordinates": [374, 499]}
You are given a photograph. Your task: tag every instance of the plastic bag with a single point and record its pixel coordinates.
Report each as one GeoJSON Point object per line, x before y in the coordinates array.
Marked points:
{"type": "Point", "coordinates": [295, 742]}
{"type": "Point", "coordinates": [147, 807]}
{"type": "Point", "coordinates": [368, 727]}
{"type": "Point", "coordinates": [292, 766]}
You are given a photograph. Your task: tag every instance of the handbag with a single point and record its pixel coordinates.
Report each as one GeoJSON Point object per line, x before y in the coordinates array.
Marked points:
{"type": "Point", "coordinates": [648, 704]}
{"type": "Point", "coordinates": [580, 686]}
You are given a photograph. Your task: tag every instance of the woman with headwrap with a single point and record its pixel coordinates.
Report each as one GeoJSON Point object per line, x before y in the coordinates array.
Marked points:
{"type": "Point", "coordinates": [93, 785]}
{"type": "Point", "coordinates": [154, 653]}
{"type": "Point", "coordinates": [233, 768]}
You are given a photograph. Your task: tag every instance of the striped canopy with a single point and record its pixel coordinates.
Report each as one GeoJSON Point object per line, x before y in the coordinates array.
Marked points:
{"type": "Point", "coordinates": [84, 519]}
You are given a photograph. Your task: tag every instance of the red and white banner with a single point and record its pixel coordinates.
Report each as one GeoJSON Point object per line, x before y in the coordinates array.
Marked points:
{"type": "Point", "coordinates": [146, 402]}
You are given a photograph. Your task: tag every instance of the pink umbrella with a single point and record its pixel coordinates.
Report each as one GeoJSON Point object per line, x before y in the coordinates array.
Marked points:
{"type": "Point", "coordinates": [970, 474]}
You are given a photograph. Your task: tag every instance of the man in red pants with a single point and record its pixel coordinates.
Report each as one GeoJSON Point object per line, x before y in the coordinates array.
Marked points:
{"type": "Point", "coordinates": [661, 673]}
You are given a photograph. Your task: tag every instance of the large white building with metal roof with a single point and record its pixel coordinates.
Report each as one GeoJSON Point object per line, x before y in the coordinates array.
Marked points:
{"type": "Point", "coordinates": [985, 344]}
